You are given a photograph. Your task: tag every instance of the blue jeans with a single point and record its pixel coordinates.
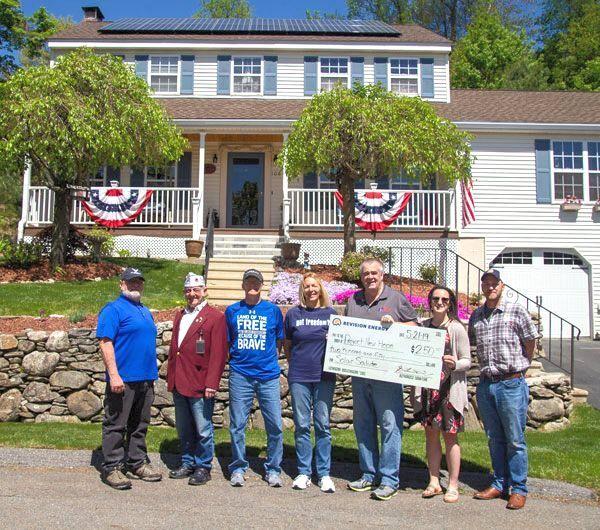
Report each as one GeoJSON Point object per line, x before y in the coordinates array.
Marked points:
{"type": "Point", "coordinates": [319, 398]}
{"type": "Point", "coordinates": [193, 419]}
{"type": "Point", "coordinates": [378, 403]}
{"type": "Point", "coordinates": [241, 394]}
{"type": "Point", "coordinates": [503, 406]}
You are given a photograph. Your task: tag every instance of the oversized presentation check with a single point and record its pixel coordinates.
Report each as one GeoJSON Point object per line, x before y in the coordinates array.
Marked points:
{"type": "Point", "coordinates": [400, 354]}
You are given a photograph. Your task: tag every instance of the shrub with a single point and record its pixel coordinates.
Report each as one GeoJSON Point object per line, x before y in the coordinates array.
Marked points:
{"type": "Point", "coordinates": [123, 253]}
{"type": "Point", "coordinates": [102, 243]}
{"type": "Point", "coordinates": [475, 298]}
{"type": "Point", "coordinates": [20, 255]}
{"type": "Point", "coordinates": [380, 253]}
{"type": "Point", "coordinates": [77, 316]}
{"type": "Point", "coordinates": [350, 266]}
{"type": "Point", "coordinates": [428, 273]}
{"type": "Point", "coordinates": [76, 242]}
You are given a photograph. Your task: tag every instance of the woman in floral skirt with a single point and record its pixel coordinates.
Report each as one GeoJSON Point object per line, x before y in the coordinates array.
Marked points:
{"type": "Point", "coordinates": [443, 411]}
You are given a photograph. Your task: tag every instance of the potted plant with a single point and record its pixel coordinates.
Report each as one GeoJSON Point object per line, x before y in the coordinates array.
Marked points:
{"type": "Point", "coordinates": [193, 248]}
{"type": "Point", "coordinates": [290, 251]}
{"type": "Point", "coordinates": [596, 207]}
{"type": "Point", "coordinates": [571, 204]}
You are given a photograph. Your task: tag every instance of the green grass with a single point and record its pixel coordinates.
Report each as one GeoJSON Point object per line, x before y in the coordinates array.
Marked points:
{"type": "Point", "coordinates": [164, 280]}
{"type": "Point", "coordinates": [570, 455]}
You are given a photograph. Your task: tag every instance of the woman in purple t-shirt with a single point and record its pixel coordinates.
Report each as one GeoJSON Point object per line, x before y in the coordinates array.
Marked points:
{"type": "Point", "coordinates": [306, 328]}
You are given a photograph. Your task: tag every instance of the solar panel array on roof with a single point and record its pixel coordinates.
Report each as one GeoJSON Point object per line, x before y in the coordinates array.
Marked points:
{"type": "Point", "coordinates": [250, 25]}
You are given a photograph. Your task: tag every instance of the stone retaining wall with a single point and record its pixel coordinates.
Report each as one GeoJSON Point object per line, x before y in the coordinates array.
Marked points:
{"type": "Point", "coordinates": [59, 377]}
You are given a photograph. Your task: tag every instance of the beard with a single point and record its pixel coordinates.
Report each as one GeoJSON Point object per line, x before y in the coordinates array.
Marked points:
{"type": "Point", "coordinates": [134, 296]}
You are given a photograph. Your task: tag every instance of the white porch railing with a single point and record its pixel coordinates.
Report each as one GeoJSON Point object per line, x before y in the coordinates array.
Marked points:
{"type": "Point", "coordinates": [426, 209]}
{"type": "Point", "coordinates": [167, 206]}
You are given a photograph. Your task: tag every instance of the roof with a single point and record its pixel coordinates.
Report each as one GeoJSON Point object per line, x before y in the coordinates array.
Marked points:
{"type": "Point", "coordinates": [90, 31]}
{"type": "Point", "coordinates": [501, 106]}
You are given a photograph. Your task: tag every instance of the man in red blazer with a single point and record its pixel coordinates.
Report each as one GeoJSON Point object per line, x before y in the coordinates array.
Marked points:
{"type": "Point", "coordinates": [197, 357]}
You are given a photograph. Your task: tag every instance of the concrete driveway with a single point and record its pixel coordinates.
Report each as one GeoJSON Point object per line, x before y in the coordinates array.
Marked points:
{"type": "Point", "coordinates": [587, 366]}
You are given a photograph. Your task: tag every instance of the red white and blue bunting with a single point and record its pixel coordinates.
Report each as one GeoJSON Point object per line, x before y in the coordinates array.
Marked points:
{"type": "Point", "coordinates": [376, 210]}
{"type": "Point", "coordinates": [115, 207]}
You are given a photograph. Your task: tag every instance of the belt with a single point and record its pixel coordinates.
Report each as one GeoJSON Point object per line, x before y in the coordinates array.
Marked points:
{"type": "Point", "coordinates": [503, 377]}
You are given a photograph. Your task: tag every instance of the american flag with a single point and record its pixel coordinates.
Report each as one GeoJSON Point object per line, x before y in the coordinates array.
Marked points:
{"type": "Point", "coordinates": [468, 204]}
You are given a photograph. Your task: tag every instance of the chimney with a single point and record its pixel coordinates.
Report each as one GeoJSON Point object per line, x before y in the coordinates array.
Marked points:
{"type": "Point", "coordinates": [92, 14]}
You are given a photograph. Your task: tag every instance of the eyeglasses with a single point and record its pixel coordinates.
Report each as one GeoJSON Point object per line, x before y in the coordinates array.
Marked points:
{"type": "Point", "coordinates": [440, 299]}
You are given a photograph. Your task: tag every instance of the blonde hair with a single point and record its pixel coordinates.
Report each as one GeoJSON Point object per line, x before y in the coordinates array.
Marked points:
{"type": "Point", "coordinates": [324, 300]}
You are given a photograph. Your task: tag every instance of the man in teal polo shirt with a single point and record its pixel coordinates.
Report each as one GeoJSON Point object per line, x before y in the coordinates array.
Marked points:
{"type": "Point", "coordinates": [127, 336]}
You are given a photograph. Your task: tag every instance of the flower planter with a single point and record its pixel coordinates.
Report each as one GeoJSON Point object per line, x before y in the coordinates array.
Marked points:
{"type": "Point", "coordinates": [596, 208]}
{"type": "Point", "coordinates": [290, 251]}
{"type": "Point", "coordinates": [570, 207]}
{"type": "Point", "coordinates": [193, 248]}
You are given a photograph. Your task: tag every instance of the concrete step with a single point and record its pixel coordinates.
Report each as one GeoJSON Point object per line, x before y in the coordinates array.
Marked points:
{"type": "Point", "coordinates": [226, 296]}
{"type": "Point", "coordinates": [248, 254]}
{"type": "Point", "coordinates": [240, 265]}
{"type": "Point", "coordinates": [232, 245]}
{"type": "Point", "coordinates": [218, 275]}
{"type": "Point", "coordinates": [234, 282]}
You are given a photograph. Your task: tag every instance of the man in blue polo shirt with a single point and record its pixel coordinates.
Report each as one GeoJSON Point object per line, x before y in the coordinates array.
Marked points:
{"type": "Point", "coordinates": [127, 337]}
{"type": "Point", "coordinates": [255, 334]}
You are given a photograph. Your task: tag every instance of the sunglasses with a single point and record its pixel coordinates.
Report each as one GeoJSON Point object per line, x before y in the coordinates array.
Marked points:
{"type": "Point", "coordinates": [440, 299]}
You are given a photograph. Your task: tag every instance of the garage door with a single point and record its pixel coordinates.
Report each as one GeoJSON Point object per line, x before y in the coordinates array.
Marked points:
{"type": "Point", "coordinates": [558, 279]}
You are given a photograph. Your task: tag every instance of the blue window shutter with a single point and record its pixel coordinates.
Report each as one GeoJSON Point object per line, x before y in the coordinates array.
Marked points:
{"type": "Point", "coordinates": [112, 173]}
{"type": "Point", "coordinates": [270, 88]}
{"type": "Point", "coordinates": [141, 66]}
{"type": "Point", "coordinates": [543, 176]}
{"type": "Point", "coordinates": [427, 87]}
{"type": "Point", "coordinates": [187, 74]}
{"type": "Point", "coordinates": [357, 71]}
{"type": "Point", "coordinates": [184, 171]}
{"type": "Point", "coordinates": [310, 75]}
{"type": "Point", "coordinates": [223, 74]}
{"type": "Point", "coordinates": [310, 180]}
{"type": "Point", "coordinates": [137, 177]}
{"type": "Point", "coordinates": [381, 71]}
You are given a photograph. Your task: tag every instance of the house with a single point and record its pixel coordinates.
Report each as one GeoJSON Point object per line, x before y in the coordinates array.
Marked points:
{"type": "Point", "coordinates": [235, 88]}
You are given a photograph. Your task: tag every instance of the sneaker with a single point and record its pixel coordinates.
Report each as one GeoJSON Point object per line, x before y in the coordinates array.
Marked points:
{"type": "Point", "coordinates": [362, 484]}
{"type": "Point", "coordinates": [384, 493]}
{"type": "Point", "coordinates": [200, 477]}
{"type": "Point", "coordinates": [147, 473]}
{"type": "Point", "coordinates": [274, 480]}
{"type": "Point", "coordinates": [116, 479]}
{"type": "Point", "coordinates": [181, 472]}
{"type": "Point", "coordinates": [301, 482]}
{"type": "Point", "coordinates": [327, 485]}
{"type": "Point", "coordinates": [237, 479]}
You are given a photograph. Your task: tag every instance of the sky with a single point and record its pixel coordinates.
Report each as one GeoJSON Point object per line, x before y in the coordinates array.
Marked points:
{"type": "Point", "coordinates": [114, 9]}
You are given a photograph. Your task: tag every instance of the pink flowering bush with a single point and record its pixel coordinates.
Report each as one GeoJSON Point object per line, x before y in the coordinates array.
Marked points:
{"type": "Point", "coordinates": [285, 286]}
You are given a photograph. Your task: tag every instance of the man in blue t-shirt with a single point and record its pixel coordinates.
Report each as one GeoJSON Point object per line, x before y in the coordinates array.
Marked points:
{"type": "Point", "coordinates": [255, 334]}
{"type": "Point", "coordinates": [127, 336]}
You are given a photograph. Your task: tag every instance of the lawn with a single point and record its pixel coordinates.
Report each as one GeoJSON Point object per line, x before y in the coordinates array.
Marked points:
{"type": "Point", "coordinates": [164, 280]}
{"type": "Point", "coordinates": [570, 455]}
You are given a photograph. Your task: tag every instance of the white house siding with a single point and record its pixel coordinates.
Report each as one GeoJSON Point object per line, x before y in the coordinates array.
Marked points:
{"type": "Point", "coordinates": [290, 75]}
{"type": "Point", "coordinates": [205, 75]}
{"type": "Point", "coordinates": [508, 216]}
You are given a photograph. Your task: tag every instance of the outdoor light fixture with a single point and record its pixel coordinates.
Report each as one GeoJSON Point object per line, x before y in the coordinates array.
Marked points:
{"type": "Point", "coordinates": [275, 158]}
{"type": "Point", "coordinates": [215, 158]}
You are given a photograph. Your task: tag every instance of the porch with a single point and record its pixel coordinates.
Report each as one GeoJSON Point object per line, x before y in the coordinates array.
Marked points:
{"type": "Point", "coordinates": [236, 175]}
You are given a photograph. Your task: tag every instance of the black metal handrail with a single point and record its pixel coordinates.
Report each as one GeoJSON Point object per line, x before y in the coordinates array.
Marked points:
{"type": "Point", "coordinates": [209, 242]}
{"type": "Point", "coordinates": [445, 260]}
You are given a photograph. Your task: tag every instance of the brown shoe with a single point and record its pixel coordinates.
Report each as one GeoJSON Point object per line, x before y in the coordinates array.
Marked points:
{"type": "Point", "coordinates": [147, 473]}
{"type": "Point", "coordinates": [115, 479]}
{"type": "Point", "coordinates": [488, 494]}
{"type": "Point", "coordinates": [516, 501]}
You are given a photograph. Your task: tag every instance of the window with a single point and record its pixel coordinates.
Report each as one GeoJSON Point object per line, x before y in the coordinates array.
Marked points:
{"type": "Point", "coordinates": [594, 169]}
{"type": "Point", "coordinates": [247, 72]}
{"type": "Point", "coordinates": [404, 76]}
{"type": "Point", "coordinates": [164, 74]}
{"type": "Point", "coordinates": [333, 70]}
{"type": "Point", "coordinates": [568, 169]}
{"type": "Point", "coordinates": [161, 177]}
{"type": "Point", "coordinates": [98, 179]}
{"type": "Point", "coordinates": [325, 182]}
{"type": "Point", "coordinates": [561, 258]}
{"type": "Point", "coordinates": [513, 258]}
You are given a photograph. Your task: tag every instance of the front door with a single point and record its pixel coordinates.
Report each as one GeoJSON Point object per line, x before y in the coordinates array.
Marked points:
{"type": "Point", "coordinates": [245, 184]}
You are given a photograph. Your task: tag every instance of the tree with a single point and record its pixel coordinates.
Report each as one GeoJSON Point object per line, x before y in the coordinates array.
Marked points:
{"type": "Point", "coordinates": [390, 11]}
{"type": "Point", "coordinates": [41, 26]}
{"type": "Point", "coordinates": [351, 134]}
{"type": "Point", "coordinates": [87, 111]}
{"type": "Point", "coordinates": [224, 9]}
{"type": "Point", "coordinates": [495, 55]}
{"type": "Point", "coordinates": [577, 65]}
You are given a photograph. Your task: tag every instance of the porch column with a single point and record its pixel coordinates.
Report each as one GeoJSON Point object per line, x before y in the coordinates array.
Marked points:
{"type": "Point", "coordinates": [201, 162]}
{"type": "Point", "coordinates": [24, 202]}
{"type": "Point", "coordinates": [285, 222]}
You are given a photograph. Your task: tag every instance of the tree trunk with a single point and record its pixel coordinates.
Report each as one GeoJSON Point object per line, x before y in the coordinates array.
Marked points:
{"type": "Point", "coordinates": [347, 191]}
{"type": "Point", "coordinates": [60, 227]}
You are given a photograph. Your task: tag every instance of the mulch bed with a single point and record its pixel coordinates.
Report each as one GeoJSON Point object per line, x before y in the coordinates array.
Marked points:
{"type": "Point", "coordinates": [76, 271]}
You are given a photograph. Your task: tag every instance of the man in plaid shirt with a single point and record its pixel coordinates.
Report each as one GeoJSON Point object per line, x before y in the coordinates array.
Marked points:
{"type": "Point", "coordinates": [505, 337]}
